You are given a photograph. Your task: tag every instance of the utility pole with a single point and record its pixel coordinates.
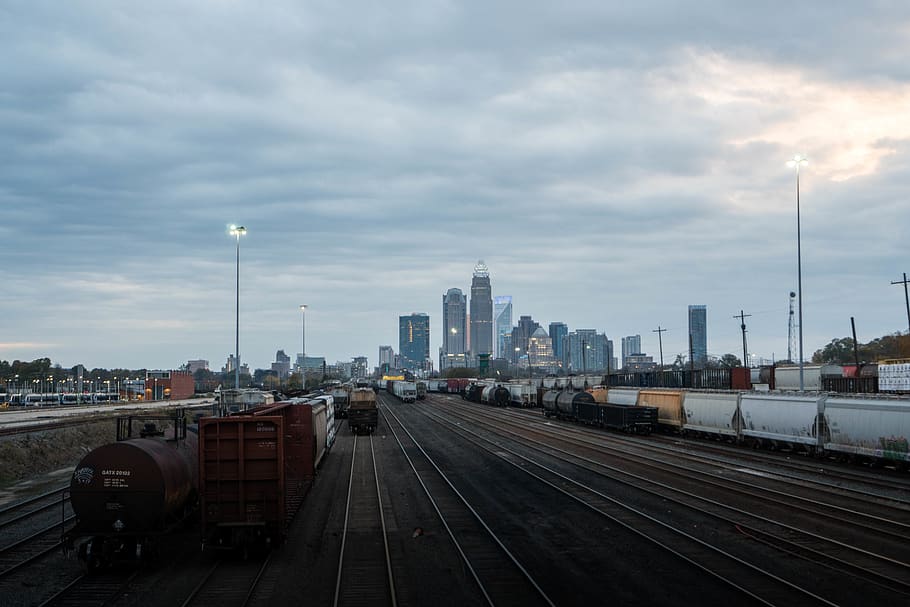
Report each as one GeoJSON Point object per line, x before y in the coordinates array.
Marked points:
{"type": "Point", "coordinates": [691, 364]}
{"type": "Point", "coordinates": [660, 342]}
{"type": "Point", "coordinates": [906, 298]}
{"type": "Point", "coordinates": [742, 319]}
{"type": "Point", "coordinates": [855, 345]}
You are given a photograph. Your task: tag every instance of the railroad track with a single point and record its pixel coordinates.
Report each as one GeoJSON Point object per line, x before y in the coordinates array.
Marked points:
{"type": "Point", "coordinates": [228, 583]}
{"type": "Point", "coordinates": [20, 511]}
{"type": "Point", "coordinates": [800, 464]}
{"type": "Point", "coordinates": [500, 577]}
{"type": "Point", "coordinates": [32, 529]}
{"type": "Point", "coordinates": [365, 575]}
{"type": "Point", "coordinates": [768, 472]}
{"type": "Point", "coordinates": [868, 563]}
{"type": "Point", "coordinates": [776, 589]}
{"type": "Point", "coordinates": [878, 514]}
{"type": "Point", "coordinates": [96, 590]}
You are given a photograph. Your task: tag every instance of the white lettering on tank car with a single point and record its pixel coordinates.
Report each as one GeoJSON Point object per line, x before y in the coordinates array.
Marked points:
{"type": "Point", "coordinates": [84, 475]}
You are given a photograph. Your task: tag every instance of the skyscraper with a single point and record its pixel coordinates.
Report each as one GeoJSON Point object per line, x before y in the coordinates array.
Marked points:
{"type": "Point", "coordinates": [481, 312]}
{"type": "Point", "coordinates": [586, 351]}
{"type": "Point", "coordinates": [630, 345]}
{"type": "Point", "coordinates": [540, 351]}
{"type": "Point", "coordinates": [502, 323]}
{"type": "Point", "coordinates": [698, 333]}
{"type": "Point", "coordinates": [386, 358]}
{"type": "Point", "coordinates": [520, 337]}
{"type": "Point", "coordinates": [454, 326]}
{"type": "Point", "coordinates": [414, 340]}
{"type": "Point", "coordinates": [558, 330]}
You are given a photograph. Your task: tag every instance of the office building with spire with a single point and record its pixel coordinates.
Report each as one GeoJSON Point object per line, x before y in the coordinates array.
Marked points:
{"type": "Point", "coordinates": [481, 313]}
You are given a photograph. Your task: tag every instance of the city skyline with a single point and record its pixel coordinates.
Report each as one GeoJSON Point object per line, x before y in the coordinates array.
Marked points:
{"type": "Point", "coordinates": [611, 164]}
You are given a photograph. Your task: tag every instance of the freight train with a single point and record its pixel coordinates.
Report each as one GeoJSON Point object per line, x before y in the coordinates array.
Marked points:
{"type": "Point", "coordinates": [341, 395]}
{"type": "Point", "coordinates": [256, 468]}
{"type": "Point", "coordinates": [128, 494]}
{"type": "Point", "coordinates": [582, 407]}
{"type": "Point", "coordinates": [405, 391]}
{"type": "Point", "coordinates": [363, 416]}
{"type": "Point", "coordinates": [867, 429]}
{"type": "Point", "coordinates": [244, 474]}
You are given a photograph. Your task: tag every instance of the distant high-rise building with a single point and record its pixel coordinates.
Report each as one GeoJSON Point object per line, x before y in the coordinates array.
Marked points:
{"type": "Point", "coordinates": [502, 323]}
{"type": "Point", "coordinates": [586, 351]}
{"type": "Point", "coordinates": [520, 336]}
{"type": "Point", "coordinates": [197, 365]}
{"type": "Point", "coordinates": [386, 358]}
{"type": "Point", "coordinates": [558, 331]}
{"type": "Point", "coordinates": [481, 312]}
{"type": "Point", "coordinates": [630, 345]}
{"type": "Point", "coordinates": [310, 364]}
{"type": "Point", "coordinates": [454, 329]}
{"type": "Point", "coordinates": [359, 367]}
{"type": "Point", "coordinates": [698, 332]}
{"type": "Point", "coordinates": [414, 340]}
{"type": "Point", "coordinates": [540, 351]}
{"type": "Point", "coordinates": [282, 364]}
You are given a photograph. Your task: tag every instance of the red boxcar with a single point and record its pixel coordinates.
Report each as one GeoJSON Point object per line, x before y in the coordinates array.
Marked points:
{"type": "Point", "coordinates": [457, 384]}
{"type": "Point", "coordinates": [254, 471]}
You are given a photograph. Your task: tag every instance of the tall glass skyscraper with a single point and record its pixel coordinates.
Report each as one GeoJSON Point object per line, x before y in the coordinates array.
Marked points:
{"type": "Point", "coordinates": [584, 351]}
{"type": "Point", "coordinates": [502, 323]}
{"type": "Point", "coordinates": [414, 340]}
{"type": "Point", "coordinates": [454, 329]}
{"type": "Point", "coordinates": [698, 332]}
{"type": "Point", "coordinates": [558, 330]}
{"type": "Point", "coordinates": [481, 312]}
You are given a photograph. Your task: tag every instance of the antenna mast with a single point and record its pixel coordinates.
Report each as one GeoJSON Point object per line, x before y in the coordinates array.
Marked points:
{"type": "Point", "coordinates": [791, 335]}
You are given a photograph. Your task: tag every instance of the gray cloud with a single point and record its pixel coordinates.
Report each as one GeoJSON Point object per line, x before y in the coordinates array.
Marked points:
{"type": "Point", "coordinates": [612, 165]}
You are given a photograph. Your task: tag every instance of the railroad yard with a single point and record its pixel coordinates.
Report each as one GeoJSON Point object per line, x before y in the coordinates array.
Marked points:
{"type": "Point", "coordinates": [449, 502]}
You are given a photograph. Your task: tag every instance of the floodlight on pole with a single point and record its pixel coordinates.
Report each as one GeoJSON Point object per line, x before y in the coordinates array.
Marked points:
{"type": "Point", "coordinates": [303, 308]}
{"type": "Point", "coordinates": [796, 162]}
{"type": "Point", "coordinates": [237, 231]}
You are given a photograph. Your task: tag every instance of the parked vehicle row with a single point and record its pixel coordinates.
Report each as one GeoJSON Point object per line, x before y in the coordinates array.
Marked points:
{"type": "Point", "coordinates": [50, 399]}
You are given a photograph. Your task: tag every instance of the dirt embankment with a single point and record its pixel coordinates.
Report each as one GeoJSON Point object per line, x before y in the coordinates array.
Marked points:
{"type": "Point", "coordinates": [37, 453]}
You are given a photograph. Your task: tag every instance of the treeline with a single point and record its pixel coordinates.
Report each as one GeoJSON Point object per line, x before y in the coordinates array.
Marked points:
{"type": "Point", "coordinates": [43, 368]}
{"type": "Point", "coordinates": [840, 351]}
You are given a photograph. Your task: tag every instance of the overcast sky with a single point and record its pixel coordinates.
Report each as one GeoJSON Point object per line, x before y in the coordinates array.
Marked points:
{"type": "Point", "coordinates": [610, 165]}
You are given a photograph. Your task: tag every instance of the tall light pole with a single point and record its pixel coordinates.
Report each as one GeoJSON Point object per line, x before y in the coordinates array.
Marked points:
{"type": "Point", "coordinates": [530, 375]}
{"type": "Point", "coordinates": [796, 162]}
{"type": "Point", "coordinates": [237, 231]}
{"type": "Point", "coordinates": [303, 347]}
